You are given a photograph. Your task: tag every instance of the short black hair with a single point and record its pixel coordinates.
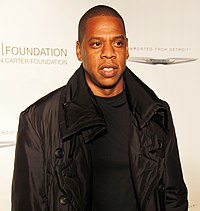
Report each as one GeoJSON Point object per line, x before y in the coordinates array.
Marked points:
{"type": "Point", "coordinates": [99, 10]}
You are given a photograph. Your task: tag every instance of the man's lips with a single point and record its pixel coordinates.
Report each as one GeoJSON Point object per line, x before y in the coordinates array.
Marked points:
{"type": "Point", "coordinates": [108, 70]}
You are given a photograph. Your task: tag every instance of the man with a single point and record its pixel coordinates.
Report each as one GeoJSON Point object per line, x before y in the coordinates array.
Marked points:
{"type": "Point", "coordinates": [103, 142]}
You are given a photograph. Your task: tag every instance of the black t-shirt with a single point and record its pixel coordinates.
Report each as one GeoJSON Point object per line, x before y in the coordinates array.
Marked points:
{"type": "Point", "coordinates": [112, 183]}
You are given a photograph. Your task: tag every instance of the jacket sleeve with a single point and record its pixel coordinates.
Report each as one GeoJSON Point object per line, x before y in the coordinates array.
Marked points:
{"type": "Point", "coordinates": [176, 191]}
{"type": "Point", "coordinates": [28, 189]}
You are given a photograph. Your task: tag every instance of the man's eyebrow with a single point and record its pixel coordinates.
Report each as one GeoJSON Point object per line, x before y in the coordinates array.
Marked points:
{"type": "Point", "coordinates": [120, 37]}
{"type": "Point", "coordinates": [95, 38]}
{"type": "Point", "coordinates": [100, 38]}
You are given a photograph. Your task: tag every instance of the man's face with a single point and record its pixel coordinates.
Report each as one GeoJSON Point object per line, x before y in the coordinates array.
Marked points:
{"type": "Point", "coordinates": [103, 52]}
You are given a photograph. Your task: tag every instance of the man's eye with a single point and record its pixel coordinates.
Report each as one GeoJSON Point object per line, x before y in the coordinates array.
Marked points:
{"type": "Point", "coordinates": [119, 43]}
{"type": "Point", "coordinates": [96, 44]}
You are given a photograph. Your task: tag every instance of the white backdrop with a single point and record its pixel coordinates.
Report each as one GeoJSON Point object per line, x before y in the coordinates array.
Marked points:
{"type": "Point", "coordinates": [37, 55]}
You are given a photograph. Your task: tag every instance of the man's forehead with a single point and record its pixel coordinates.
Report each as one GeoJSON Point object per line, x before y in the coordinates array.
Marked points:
{"type": "Point", "coordinates": [104, 23]}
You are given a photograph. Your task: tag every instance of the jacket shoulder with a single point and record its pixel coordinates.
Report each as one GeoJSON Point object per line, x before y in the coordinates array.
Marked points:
{"type": "Point", "coordinates": [45, 103]}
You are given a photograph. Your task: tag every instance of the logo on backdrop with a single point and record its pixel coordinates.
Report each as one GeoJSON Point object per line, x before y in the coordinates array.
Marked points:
{"type": "Point", "coordinates": [4, 144]}
{"type": "Point", "coordinates": [164, 61]}
{"type": "Point", "coordinates": [167, 61]}
{"type": "Point", "coordinates": [13, 54]}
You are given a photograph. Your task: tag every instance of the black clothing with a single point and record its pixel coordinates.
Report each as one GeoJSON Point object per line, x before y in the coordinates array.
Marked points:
{"type": "Point", "coordinates": [112, 184]}
{"type": "Point", "coordinates": [53, 165]}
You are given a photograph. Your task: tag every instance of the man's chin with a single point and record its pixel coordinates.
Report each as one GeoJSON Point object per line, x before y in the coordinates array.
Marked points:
{"type": "Point", "coordinates": [108, 86]}
{"type": "Point", "coordinates": [111, 84]}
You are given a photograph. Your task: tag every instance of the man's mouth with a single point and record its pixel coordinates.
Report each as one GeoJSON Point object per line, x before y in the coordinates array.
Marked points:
{"type": "Point", "coordinates": [108, 68]}
{"type": "Point", "coordinates": [108, 72]}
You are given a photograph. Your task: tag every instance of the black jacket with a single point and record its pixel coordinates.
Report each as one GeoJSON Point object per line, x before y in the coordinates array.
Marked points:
{"type": "Point", "coordinates": [53, 168]}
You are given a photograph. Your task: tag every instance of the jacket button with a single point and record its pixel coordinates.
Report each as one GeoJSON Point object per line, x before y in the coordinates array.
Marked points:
{"type": "Point", "coordinates": [162, 188]}
{"type": "Point", "coordinates": [59, 153]}
{"type": "Point", "coordinates": [160, 145]}
{"type": "Point", "coordinates": [63, 200]}
{"type": "Point", "coordinates": [65, 105]}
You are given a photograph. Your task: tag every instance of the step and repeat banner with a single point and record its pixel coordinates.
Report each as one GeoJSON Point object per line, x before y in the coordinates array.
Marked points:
{"type": "Point", "coordinates": [37, 55]}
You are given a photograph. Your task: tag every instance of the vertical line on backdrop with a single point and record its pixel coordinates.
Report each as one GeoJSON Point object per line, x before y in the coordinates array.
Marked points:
{"type": "Point", "coordinates": [2, 51]}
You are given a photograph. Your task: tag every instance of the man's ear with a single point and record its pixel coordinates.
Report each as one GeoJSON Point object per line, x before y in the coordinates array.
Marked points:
{"type": "Point", "coordinates": [78, 51]}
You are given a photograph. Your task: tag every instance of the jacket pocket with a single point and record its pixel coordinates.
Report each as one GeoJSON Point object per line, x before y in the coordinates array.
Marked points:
{"type": "Point", "coordinates": [68, 183]}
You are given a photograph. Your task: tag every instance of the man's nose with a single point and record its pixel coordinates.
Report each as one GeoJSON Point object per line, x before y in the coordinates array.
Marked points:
{"type": "Point", "coordinates": [108, 51]}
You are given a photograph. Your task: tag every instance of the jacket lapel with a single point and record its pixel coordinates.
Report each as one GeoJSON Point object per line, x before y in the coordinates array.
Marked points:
{"type": "Point", "coordinates": [143, 102]}
{"type": "Point", "coordinates": [81, 113]}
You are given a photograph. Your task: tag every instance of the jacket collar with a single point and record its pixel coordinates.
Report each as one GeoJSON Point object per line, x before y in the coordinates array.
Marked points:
{"type": "Point", "coordinates": [143, 102]}
{"type": "Point", "coordinates": [79, 111]}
